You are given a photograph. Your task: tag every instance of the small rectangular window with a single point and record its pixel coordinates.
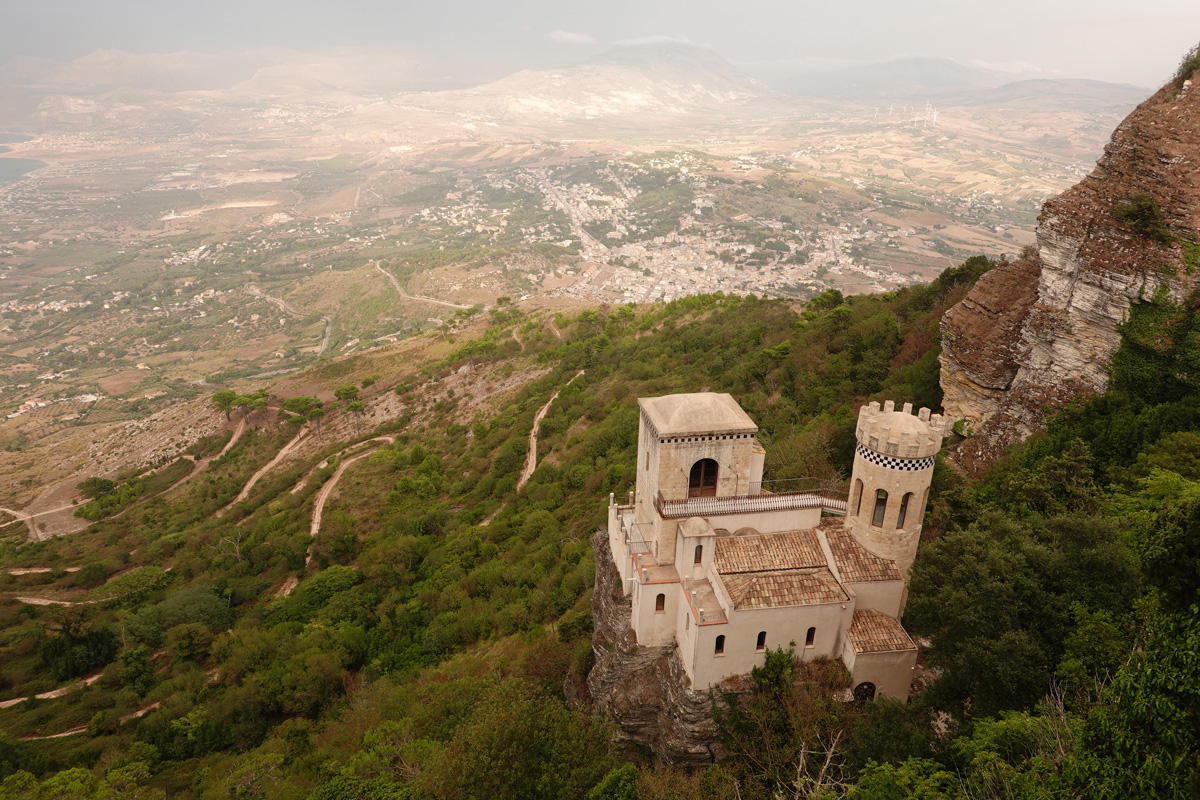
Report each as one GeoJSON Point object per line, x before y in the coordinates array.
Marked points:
{"type": "Point", "coordinates": [761, 645]}
{"type": "Point", "coordinates": [811, 637]}
{"type": "Point", "coordinates": [719, 648]}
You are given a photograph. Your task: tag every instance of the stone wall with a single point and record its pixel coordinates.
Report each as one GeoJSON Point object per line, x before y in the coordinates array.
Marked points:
{"type": "Point", "coordinates": [643, 690]}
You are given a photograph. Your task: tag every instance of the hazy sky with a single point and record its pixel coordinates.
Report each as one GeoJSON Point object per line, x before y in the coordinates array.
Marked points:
{"type": "Point", "coordinates": [1129, 41]}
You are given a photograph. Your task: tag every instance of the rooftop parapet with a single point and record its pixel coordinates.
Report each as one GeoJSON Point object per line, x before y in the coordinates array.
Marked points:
{"type": "Point", "coordinates": [900, 433]}
{"type": "Point", "coordinates": [696, 414]}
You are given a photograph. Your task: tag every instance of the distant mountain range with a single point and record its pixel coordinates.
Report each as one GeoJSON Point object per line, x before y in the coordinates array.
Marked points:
{"type": "Point", "coordinates": [660, 77]}
{"type": "Point", "coordinates": [664, 77]}
{"type": "Point", "coordinates": [872, 82]}
{"type": "Point", "coordinates": [1074, 94]}
{"type": "Point", "coordinates": [256, 71]}
{"type": "Point", "coordinates": [948, 83]}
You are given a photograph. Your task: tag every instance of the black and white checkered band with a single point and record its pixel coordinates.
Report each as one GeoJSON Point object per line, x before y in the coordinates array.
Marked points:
{"type": "Point", "coordinates": [893, 462]}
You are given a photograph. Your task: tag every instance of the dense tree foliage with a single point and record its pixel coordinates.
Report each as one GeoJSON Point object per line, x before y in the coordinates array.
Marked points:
{"type": "Point", "coordinates": [441, 618]}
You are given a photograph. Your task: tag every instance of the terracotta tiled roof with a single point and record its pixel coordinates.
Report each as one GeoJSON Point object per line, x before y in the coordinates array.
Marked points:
{"type": "Point", "coordinates": [873, 632]}
{"type": "Point", "coordinates": [768, 552]}
{"type": "Point", "coordinates": [783, 588]}
{"type": "Point", "coordinates": [854, 563]}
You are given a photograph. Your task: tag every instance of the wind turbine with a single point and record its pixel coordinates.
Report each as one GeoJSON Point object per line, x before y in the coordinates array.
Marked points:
{"type": "Point", "coordinates": [876, 112]}
{"type": "Point", "coordinates": [891, 108]}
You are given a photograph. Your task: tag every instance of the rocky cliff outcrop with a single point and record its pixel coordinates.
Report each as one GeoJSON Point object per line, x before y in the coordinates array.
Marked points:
{"type": "Point", "coordinates": [644, 690]}
{"type": "Point", "coordinates": [1041, 331]}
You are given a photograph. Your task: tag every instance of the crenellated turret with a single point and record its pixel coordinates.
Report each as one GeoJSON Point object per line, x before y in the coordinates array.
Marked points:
{"type": "Point", "coordinates": [895, 433]}
{"type": "Point", "coordinates": [893, 467]}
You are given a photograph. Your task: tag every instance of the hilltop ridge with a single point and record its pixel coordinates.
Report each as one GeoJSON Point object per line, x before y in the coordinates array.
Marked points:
{"type": "Point", "coordinates": [1042, 331]}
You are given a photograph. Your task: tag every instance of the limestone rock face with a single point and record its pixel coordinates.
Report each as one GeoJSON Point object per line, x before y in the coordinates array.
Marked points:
{"type": "Point", "coordinates": [1040, 332]}
{"type": "Point", "coordinates": [644, 690]}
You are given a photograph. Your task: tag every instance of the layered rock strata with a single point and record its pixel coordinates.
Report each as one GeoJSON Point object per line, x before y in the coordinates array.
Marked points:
{"type": "Point", "coordinates": [644, 690]}
{"type": "Point", "coordinates": [1041, 331]}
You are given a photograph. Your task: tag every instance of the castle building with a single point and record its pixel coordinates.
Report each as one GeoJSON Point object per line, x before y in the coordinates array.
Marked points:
{"type": "Point", "coordinates": [725, 568]}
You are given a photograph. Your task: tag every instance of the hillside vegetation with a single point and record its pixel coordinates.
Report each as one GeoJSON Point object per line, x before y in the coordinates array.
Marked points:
{"type": "Point", "coordinates": [436, 642]}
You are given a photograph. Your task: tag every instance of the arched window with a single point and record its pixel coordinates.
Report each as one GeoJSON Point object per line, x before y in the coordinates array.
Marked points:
{"type": "Point", "coordinates": [810, 638]}
{"type": "Point", "coordinates": [719, 648]}
{"type": "Point", "coordinates": [903, 509]}
{"type": "Point", "coordinates": [660, 604]}
{"type": "Point", "coordinates": [761, 644]}
{"type": "Point", "coordinates": [864, 691]}
{"type": "Point", "coordinates": [699, 554]}
{"type": "Point", "coordinates": [857, 496]}
{"type": "Point", "coordinates": [702, 481]}
{"type": "Point", "coordinates": [880, 508]}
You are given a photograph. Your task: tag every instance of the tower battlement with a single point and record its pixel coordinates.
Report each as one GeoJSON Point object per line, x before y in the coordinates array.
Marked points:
{"type": "Point", "coordinates": [900, 433]}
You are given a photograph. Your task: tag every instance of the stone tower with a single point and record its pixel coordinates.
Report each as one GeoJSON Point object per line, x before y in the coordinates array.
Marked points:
{"type": "Point", "coordinates": [691, 446]}
{"type": "Point", "coordinates": [893, 467]}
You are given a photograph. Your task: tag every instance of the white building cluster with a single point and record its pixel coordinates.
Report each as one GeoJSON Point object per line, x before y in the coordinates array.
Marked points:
{"type": "Point", "coordinates": [726, 569]}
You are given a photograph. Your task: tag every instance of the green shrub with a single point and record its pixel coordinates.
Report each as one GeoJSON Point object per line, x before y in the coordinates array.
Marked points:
{"type": "Point", "coordinates": [1142, 213]}
{"type": "Point", "coordinates": [1188, 65]}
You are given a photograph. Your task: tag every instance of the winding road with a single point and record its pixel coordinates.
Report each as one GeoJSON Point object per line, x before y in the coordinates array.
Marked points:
{"type": "Point", "coordinates": [50, 695]}
{"type": "Point", "coordinates": [531, 456]}
{"type": "Point", "coordinates": [331, 484]}
{"type": "Point", "coordinates": [396, 285]}
{"type": "Point", "coordinates": [203, 463]}
{"type": "Point", "coordinates": [283, 453]}
{"type": "Point", "coordinates": [319, 504]}
{"type": "Point", "coordinates": [36, 571]}
{"type": "Point", "coordinates": [253, 291]}
{"type": "Point", "coordinates": [21, 516]}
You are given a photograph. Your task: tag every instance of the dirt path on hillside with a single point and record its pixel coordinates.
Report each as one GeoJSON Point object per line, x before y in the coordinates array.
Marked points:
{"type": "Point", "coordinates": [53, 693]}
{"type": "Point", "coordinates": [21, 516]}
{"type": "Point", "coordinates": [284, 305]}
{"type": "Point", "coordinates": [331, 484]}
{"type": "Point", "coordinates": [31, 600]}
{"type": "Point", "coordinates": [237, 434]}
{"type": "Point", "coordinates": [71, 732]}
{"type": "Point", "coordinates": [141, 712]}
{"type": "Point", "coordinates": [36, 570]}
{"type": "Point", "coordinates": [396, 285]}
{"type": "Point", "coordinates": [488, 519]}
{"type": "Point", "coordinates": [283, 453]}
{"type": "Point", "coordinates": [37, 600]}
{"type": "Point", "coordinates": [531, 456]}
{"type": "Point", "coordinates": [203, 463]}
